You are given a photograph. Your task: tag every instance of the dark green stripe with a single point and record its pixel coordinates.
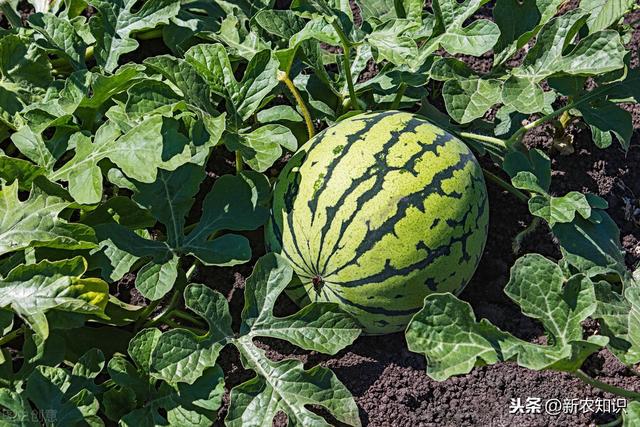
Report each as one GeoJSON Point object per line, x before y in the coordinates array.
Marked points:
{"type": "Point", "coordinates": [380, 171]}
{"type": "Point", "coordinates": [373, 310]}
{"type": "Point", "coordinates": [414, 200]}
{"type": "Point", "coordinates": [352, 139]}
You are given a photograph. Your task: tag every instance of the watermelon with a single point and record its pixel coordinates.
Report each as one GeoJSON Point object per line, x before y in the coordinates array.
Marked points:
{"type": "Point", "coordinates": [375, 213]}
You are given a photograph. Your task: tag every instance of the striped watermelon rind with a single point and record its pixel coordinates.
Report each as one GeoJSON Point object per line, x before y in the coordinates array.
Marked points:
{"type": "Point", "coordinates": [377, 212]}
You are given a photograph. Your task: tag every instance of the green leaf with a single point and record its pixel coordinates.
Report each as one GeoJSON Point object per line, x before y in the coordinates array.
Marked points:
{"type": "Point", "coordinates": [469, 99]}
{"type": "Point", "coordinates": [605, 13]}
{"type": "Point", "coordinates": [520, 21]}
{"type": "Point", "coordinates": [524, 95]}
{"type": "Point", "coordinates": [155, 280]}
{"type": "Point", "coordinates": [618, 315]}
{"type": "Point", "coordinates": [560, 209]}
{"type": "Point", "coordinates": [446, 331]}
{"type": "Point", "coordinates": [155, 142]}
{"type": "Point", "coordinates": [61, 37]}
{"type": "Point", "coordinates": [592, 247]}
{"type": "Point", "coordinates": [32, 290]}
{"type": "Point", "coordinates": [234, 203]}
{"type": "Point", "coordinates": [181, 355]}
{"type": "Point", "coordinates": [141, 399]}
{"type": "Point", "coordinates": [244, 97]}
{"type": "Point", "coordinates": [116, 22]}
{"type": "Point", "coordinates": [240, 41]}
{"type": "Point", "coordinates": [105, 87]}
{"type": "Point", "coordinates": [35, 222]}
{"type": "Point", "coordinates": [52, 391]}
{"type": "Point", "coordinates": [25, 75]}
{"type": "Point", "coordinates": [16, 409]}
{"type": "Point", "coordinates": [595, 54]}
{"type": "Point", "coordinates": [150, 97]}
{"type": "Point", "coordinates": [631, 415]}
{"type": "Point", "coordinates": [445, 316]}
{"type": "Point", "coordinates": [286, 386]}
{"type": "Point", "coordinates": [262, 147]}
{"type": "Point", "coordinates": [319, 327]}
{"type": "Point", "coordinates": [318, 29]}
{"type": "Point", "coordinates": [391, 42]}
{"type": "Point", "coordinates": [474, 39]}
{"type": "Point", "coordinates": [534, 161]}
{"type": "Point", "coordinates": [384, 10]}
{"type": "Point", "coordinates": [606, 119]}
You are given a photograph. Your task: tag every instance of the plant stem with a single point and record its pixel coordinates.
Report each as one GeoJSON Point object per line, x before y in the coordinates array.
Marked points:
{"type": "Point", "coordinates": [239, 163]}
{"type": "Point", "coordinates": [11, 15]}
{"type": "Point", "coordinates": [284, 77]}
{"type": "Point", "coordinates": [606, 387]}
{"type": "Point", "coordinates": [613, 423]}
{"type": "Point", "coordinates": [173, 303]}
{"type": "Point", "coordinates": [147, 311]}
{"type": "Point", "coordinates": [196, 331]}
{"type": "Point", "coordinates": [12, 335]}
{"type": "Point", "coordinates": [505, 185]}
{"type": "Point", "coordinates": [186, 316]}
{"type": "Point", "coordinates": [346, 61]}
{"type": "Point", "coordinates": [398, 99]}
{"type": "Point", "coordinates": [156, 33]}
{"type": "Point", "coordinates": [499, 143]}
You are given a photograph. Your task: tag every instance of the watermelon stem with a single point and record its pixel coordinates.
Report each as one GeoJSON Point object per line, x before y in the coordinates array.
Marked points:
{"type": "Point", "coordinates": [239, 163]}
{"type": "Point", "coordinates": [484, 138]}
{"type": "Point", "coordinates": [505, 185]}
{"type": "Point", "coordinates": [284, 78]}
{"type": "Point", "coordinates": [346, 59]}
{"type": "Point", "coordinates": [398, 99]}
{"type": "Point", "coordinates": [606, 387]}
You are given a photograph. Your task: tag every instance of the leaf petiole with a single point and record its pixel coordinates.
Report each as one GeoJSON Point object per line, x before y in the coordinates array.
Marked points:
{"type": "Point", "coordinates": [606, 387]}
{"type": "Point", "coordinates": [496, 142]}
{"type": "Point", "coordinates": [284, 78]}
{"type": "Point", "coordinates": [11, 15]}
{"type": "Point", "coordinates": [346, 60]}
{"type": "Point", "coordinates": [239, 162]}
{"type": "Point", "coordinates": [12, 335]}
{"type": "Point", "coordinates": [186, 316]}
{"type": "Point", "coordinates": [505, 185]}
{"type": "Point", "coordinates": [398, 99]}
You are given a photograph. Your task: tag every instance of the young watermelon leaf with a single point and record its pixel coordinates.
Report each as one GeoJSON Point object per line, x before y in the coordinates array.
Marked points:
{"type": "Point", "coordinates": [36, 222]}
{"type": "Point", "coordinates": [137, 398]}
{"type": "Point", "coordinates": [60, 37]}
{"type": "Point", "coordinates": [116, 22]}
{"type": "Point", "coordinates": [453, 36]}
{"type": "Point", "coordinates": [539, 287]}
{"type": "Point", "coordinates": [234, 203]}
{"type": "Point", "coordinates": [618, 315]}
{"type": "Point", "coordinates": [155, 142]}
{"type": "Point", "coordinates": [631, 415]}
{"type": "Point", "coordinates": [33, 290]}
{"type": "Point", "coordinates": [62, 397]}
{"type": "Point", "coordinates": [183, 356]}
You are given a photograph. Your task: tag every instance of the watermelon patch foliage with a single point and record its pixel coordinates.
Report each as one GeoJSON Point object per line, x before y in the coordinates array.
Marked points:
{"type": "Point", "coordinates": [139, 144]}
